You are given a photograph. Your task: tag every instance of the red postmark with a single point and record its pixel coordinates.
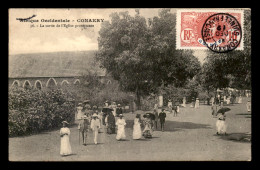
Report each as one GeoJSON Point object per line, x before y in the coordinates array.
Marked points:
{"type": "Point", "coordinates": [190, 24]}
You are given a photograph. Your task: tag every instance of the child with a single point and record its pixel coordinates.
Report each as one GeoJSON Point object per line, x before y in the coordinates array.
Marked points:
{"type": "Point", "coordinates": [137, 133]}
{"type": "Point", "coordinates": [95, 125]}
{"type": "Point", "coordinates": [120, 128]}
{"type": "Point", "coordinates": [65, 148]}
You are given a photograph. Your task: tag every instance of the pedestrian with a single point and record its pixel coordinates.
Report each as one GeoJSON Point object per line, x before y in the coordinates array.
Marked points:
{"type": "Point", "coordinates": [99, 116]}
{"type": "Point", "coordinates": [156, 118]}
{"type": "Point", "coordinates": [137, 132]}
{"type": "Point", "coordinates": [221, 101]}
{"type": "Point", "coordinates": [197, 103]}
{"type": "Point", "coordinates": [175, 110]}
{"type": "Point", "coordinates": [177, 107]}
{"type": "Point", "coordinates": [228, 100]}
{"type": "Point", "coordinates": [95, 125]}
{"type": "Point", "coordinates": [214, 109]}
{"type": "Point", "coordinates": [184, 102]}
{"type": "Point", "coordinates": [119, 110]}
{"type": "Point", "coordinates": [155, 107]}
{"type": "Point", "coordinates": [147, 132]}
{"type": "Point", "coordinates": [221, 123]}
{"type": "Point", "coordinates": [104, 111]}
{"type": "Point", "coordinates": [113, 106]}
{"type": "Point", "coordinates": [120, 128]}
{"type": "Point", "coordinates": [80, 113]}
{"type": "Point", "coordinates": [65, 148]}
{"type": "Point", "coordinates": [248, 106]}
{"type": "Point", "coordinates": [170, 105]}
{"type": "Point", "coordinates": [95, 109]}
{"type": "Point", "coordinates": [240, 99]}
{"type": "Point", "coordinates": [111, 123]}
{"type": "Point", "coordinates": [162, 117]}
{"type": "Point", "coordinates": [192, 102]}
{"type": "Point", "coordinates": [83, 128]}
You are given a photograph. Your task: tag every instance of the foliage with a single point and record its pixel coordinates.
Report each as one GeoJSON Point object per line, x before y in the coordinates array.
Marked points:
{"type": "Point", "coordinates": [32, 111]}
{"type": "Point", "coordinates": [232, 69]}
{"type": "Point", "coordinates": [142, 56]}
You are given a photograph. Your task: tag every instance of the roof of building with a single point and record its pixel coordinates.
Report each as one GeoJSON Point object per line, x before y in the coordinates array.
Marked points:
{"type": "Point", "coordinates": [54, 64]}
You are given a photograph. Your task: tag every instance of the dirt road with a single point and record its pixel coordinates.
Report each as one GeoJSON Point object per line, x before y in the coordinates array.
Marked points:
{"type": "Point", "coordinates": [190, 136]}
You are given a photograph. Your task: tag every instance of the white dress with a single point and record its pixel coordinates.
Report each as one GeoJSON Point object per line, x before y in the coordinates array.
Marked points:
{"type": "Point", "coordinates": [221, 125]}
{"type": "Point", "coordinates": [137, 132]}
{"type": "Point", "coordinates": [197, 104]}
{"type": "Point", "coordinates": [239, 100]}
{"type": "Point", "coordinates": [79, 112]}
{"type": "Point", "coordinates": [120, 129]}
{"type": "Point", "coordinates": [228, 100]}
{"type": "Point", "coordinates": [184, 102]}
{"type": "Point", "coordinates": [65, 148]}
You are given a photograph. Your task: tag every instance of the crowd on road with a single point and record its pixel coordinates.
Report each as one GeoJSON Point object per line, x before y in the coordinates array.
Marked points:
{"type": "Point", "coordinates": [110, 118]}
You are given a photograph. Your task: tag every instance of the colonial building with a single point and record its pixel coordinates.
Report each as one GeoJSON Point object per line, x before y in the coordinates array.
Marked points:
{"type": "Point", "coordinates": [56, 69]}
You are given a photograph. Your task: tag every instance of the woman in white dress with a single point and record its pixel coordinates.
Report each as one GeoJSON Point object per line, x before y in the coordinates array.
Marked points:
{"type": "Point", "coordinates": [137, 132]}
{"type": "Point", "coordinates": [221, 124]}
{"type": "Point", "coordinates": [184, 102]}
{"type": "Point", "coordinates": [197, 103]}
{"type": "Point", "coordinates": [80, 113]}
{"type": "Point", "coordinates": [228, 100]}
{"type": "Point", "coordinates": [65, 148]}
{"type": "Point", "coordinates": [120, 123]}
{"type": "Point", "coordinates": [113, 106]}
{"type": "Point", "coordinates": [240, 99]}
{"type": "Point", "coordinates": [95, 125]}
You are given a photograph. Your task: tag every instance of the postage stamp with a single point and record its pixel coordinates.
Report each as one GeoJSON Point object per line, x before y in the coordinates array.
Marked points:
{"type": "Point", "coordinates": [217, 30]}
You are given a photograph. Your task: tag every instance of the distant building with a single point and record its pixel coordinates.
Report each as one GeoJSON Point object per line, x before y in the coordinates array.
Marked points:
{"type": "Point", "coordinates": [48, 70]}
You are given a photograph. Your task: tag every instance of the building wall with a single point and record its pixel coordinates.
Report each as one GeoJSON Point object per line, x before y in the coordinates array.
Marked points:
{"type": "Point", "coordinates": [45, 82]}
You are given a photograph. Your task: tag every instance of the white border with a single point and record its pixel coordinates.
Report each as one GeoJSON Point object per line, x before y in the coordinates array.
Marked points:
{"type": "Point", "coordinates": [178, 25]}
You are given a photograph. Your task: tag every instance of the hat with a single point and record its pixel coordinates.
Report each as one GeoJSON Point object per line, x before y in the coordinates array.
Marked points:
{"type": "Point", "coordinates": [84, 117]}
{"type": "Point", "coordinates": [118, 105]}
{"type": "Point", "coordinates": [120, 115]}
{"type": "Point", "coordinates": [94, 115]}
{"type": "Point", "coordinates": [64, 122]}
{"type": "Point", "coordinates": [86, 101]}
{"type": "Point", "coordinates": [79, 104]}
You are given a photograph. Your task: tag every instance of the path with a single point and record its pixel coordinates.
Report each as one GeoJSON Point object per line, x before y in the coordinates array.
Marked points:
{"type": "Point", "coordinates": [190, 136]}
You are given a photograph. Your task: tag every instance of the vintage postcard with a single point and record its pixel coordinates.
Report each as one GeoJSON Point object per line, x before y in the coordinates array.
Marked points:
{"type": "Point", "coordinates": [129, 84]}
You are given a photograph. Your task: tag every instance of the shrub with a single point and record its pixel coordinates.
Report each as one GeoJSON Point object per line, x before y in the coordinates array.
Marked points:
{"type": "Point", "coordinates": [32, 111]}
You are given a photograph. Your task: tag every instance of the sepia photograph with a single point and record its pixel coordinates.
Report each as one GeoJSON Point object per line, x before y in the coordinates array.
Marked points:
{"type": "Point", "coordinates": [129, 84]}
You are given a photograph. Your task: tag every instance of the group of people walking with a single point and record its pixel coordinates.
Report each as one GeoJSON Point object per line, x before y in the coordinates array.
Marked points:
{"type": "Point", "coordinates": [112, 119]}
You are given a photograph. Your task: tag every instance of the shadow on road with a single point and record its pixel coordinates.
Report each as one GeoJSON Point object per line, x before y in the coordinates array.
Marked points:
{"type": "Point", "coordinates": [174, 126]}
{"type": "Point", "coordinates": [237, 137]}
{"type": "Point", "coordinates": [243, 114]}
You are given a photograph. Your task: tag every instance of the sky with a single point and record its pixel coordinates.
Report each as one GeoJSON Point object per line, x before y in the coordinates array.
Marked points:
{"type": "Point", "coordinates": [26, 39]}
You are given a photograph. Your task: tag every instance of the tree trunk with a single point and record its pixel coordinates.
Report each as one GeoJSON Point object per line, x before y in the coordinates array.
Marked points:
{"type": "Point", "coordinates": [138, 99]}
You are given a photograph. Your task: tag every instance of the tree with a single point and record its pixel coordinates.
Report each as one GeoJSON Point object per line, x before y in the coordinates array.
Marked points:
{"type": "Point", "coordinates": [232, 69]}
{"type": "Point", "coordinates": [141, 55]}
